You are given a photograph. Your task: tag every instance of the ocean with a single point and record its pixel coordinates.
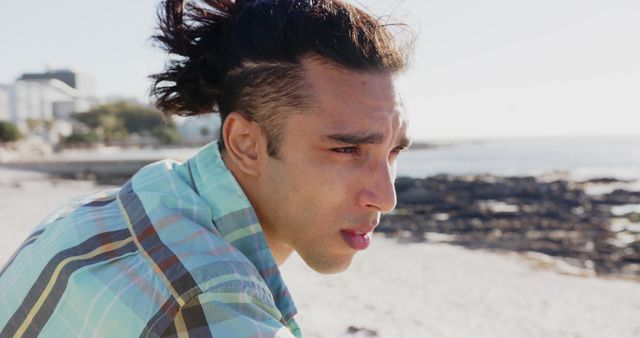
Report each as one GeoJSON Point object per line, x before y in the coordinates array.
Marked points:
{"type": "Point", "coordinates": [579, 157]}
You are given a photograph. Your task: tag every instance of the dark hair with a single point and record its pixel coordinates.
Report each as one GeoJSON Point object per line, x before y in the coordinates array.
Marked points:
{"type": "Point", "coordinates": [245, 55]}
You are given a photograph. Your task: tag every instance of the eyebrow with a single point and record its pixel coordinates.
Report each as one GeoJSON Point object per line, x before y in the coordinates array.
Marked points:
{"type": "Point", "coordinates": [372, 138]}
{"type": "Point", "coordinates": [356, 138]}
{"type": "Point", "coordinates": [404, 143]}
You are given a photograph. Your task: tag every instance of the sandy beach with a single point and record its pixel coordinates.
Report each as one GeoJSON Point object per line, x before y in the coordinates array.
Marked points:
{"type": "Point", "coordinates": [401, 290]}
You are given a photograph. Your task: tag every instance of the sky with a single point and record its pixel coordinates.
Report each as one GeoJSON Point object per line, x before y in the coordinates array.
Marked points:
{"type": "Point", "coordinates": [481, 69]}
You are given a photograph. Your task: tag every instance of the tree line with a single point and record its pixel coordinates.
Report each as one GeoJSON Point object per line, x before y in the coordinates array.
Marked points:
{"type": "Point", "coordinates": [110, 124]}
{"type": "Point", "coordinates": [115, 123]}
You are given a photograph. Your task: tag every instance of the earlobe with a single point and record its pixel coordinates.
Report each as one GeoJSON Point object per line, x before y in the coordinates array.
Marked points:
{"type": "Point", "coordinates": [242, 141]}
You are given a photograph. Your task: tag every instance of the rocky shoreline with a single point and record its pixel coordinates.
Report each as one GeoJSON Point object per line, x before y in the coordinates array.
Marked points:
{"type": "Point", "coordinates": [592, 224]}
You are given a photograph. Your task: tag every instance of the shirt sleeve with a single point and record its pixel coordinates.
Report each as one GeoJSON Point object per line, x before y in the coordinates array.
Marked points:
{"type": "Point", "coordinates": [227, 313]}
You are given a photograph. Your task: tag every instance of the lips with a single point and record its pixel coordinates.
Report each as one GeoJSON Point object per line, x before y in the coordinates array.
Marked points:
{"type": "Point", "coordinates": [357, 240]}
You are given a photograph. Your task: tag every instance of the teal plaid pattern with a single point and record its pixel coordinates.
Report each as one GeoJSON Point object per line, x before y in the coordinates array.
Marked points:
{"type": "Point", "coordinates": [176, 252]}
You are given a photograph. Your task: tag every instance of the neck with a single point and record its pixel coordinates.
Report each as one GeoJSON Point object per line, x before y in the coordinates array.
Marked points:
{"type": "Point", "coordinates": [280, 252]}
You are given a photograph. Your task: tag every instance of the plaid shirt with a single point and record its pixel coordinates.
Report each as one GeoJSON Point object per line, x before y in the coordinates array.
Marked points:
{"type": "Point", "coordinates": [177, 251]}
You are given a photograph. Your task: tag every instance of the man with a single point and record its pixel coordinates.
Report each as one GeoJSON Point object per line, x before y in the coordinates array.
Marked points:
{"type": "Point", "coordinates": [306, 162]}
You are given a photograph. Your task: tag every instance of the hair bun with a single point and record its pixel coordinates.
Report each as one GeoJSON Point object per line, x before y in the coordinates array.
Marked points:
{"type": "Point", "coordinates": [191, 83]}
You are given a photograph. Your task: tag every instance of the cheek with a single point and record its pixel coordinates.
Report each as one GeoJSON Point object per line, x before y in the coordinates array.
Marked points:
{"type": "Point", "coordinates": [317, 191]}
{"type": "Point", "coordinates": [317, 200]}
{"type": "Point", "coordinates": [342, 182]}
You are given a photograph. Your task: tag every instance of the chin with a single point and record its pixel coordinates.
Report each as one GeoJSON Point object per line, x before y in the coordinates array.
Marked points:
{"type": "Point", "coordinates": [329, 265]}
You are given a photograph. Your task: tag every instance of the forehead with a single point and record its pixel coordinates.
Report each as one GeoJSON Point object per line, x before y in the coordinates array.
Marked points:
{"type": "Point", "coordinates": [353, 100]}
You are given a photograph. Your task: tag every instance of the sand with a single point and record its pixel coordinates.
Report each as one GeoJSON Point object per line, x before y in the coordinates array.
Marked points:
{"type": "Point", "coordinates": [26, 198]}
{"type": "Point", "coordinates": [438, 290]}
{"type": "Point", "coordinates": [400, 290]}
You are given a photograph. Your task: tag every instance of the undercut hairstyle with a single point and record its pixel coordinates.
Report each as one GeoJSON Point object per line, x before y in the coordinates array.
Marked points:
{"type": "Point", "coordinates": [245, 56]}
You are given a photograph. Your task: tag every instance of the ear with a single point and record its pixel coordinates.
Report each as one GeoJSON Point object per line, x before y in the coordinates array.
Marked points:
{"type": "Point", "coordinates": [243, 140]}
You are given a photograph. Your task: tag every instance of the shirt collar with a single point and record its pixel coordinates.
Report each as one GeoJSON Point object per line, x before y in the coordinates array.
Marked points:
{"type": "Point", "coordinates": [236, 220]}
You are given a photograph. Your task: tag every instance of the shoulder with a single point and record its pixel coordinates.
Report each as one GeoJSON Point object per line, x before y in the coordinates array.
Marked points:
{"type": "Point", "coordinates": [234, 308]}
{"type": "Point", "coordinates": [174, 229]}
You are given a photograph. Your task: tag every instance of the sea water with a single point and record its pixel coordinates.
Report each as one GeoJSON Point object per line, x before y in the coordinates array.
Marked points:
{"type": "Point", "coordinates": [580, 157]}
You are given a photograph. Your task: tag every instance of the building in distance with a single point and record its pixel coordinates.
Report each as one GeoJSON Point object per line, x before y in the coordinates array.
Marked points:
{"type": "Point", "coordinates": [51, 95]}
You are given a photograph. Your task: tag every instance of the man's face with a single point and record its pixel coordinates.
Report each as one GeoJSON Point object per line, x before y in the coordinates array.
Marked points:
{"type": "Point", "coordinates": [336, 168]}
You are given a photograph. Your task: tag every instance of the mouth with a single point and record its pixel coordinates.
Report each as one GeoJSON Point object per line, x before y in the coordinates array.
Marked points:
{"type": "Point", "coordinates": [357, 240]}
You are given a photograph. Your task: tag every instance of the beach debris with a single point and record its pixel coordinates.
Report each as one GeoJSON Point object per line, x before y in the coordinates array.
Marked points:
{"type": "Point", "coordinates": [357, 330]}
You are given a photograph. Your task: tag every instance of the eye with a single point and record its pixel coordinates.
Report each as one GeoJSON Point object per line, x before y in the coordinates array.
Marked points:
{"type": "Point", "coordinates": [346, 150]}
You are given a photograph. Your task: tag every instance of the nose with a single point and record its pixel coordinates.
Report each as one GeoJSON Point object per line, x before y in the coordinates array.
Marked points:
{"type": "Point", "coordinates": [378, 190]}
